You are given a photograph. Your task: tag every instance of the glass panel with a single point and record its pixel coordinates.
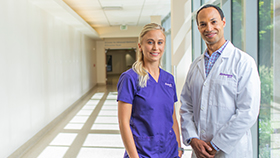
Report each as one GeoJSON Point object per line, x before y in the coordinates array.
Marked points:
{"type": "Point", "coordinates": [168, 67]}
{"type": "Point", "coordinates": [276, 76]}
{"type": "Point", "coordinates": [197, 42]}
{"type": "Point", "coordinates": [269, 119]}
{"type": "Point", "coordinates": [195, 5]}
{"type": "Point", "coordinates": [166, 58]}
{"type": "Point", "coordinates": [203, 46]}
{"type": "Point", "coordinates": [237, 23]}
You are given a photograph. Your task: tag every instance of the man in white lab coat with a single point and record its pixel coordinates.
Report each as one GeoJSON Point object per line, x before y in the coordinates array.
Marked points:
{"type": "Point", "coordinates": [221, 96]}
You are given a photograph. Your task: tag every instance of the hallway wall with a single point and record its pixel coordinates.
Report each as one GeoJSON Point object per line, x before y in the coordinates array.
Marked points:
{"type": "Point", "coordinates": [45, 66]}
{"type": "Point", "coordinates": [181, 44]}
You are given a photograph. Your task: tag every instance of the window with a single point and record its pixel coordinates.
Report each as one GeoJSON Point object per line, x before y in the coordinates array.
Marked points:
{"type": "Point", "coordinates": [198, 46]}
{"type": "Point", "coordinates": [269, 43]}
{"type": "Point", "coordinates": [166, 58]}
{"type": "Point", "coordinates": [254, 27]}
{"type": "Point", "coordinates": [237, 24]}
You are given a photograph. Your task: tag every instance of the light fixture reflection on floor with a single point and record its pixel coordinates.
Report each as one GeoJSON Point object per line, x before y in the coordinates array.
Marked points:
{"type": "Point", "coordinates": [97, 96]}
{"type": "Point", "coordinates": [74, 126]}
{"type": "Point", "coordinates": [53, 152]}
{"type": "Point", "coordinates": [64, 139]}
{"type": "Point", "coordinates": [103, 140]}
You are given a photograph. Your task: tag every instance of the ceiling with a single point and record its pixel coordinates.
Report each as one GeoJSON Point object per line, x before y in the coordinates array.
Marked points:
{"type": "Point", "coordinates": [107, 13]}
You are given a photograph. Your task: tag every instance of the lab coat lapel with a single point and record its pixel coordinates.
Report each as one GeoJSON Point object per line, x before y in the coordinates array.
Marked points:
{"type": "Point", "coordinates": [224, 56]}
{"type": "Point", "coordinates": [219, 61]}
{"type": "Point", "coordinates": [201, 66]}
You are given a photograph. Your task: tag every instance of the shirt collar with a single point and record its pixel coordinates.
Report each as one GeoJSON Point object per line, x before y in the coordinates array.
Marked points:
{"type": "Point", "coordinates": [220, 50]}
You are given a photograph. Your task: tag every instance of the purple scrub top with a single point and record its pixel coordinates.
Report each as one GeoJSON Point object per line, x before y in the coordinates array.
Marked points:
{"type": "Point", "coordinates": [152, 109]}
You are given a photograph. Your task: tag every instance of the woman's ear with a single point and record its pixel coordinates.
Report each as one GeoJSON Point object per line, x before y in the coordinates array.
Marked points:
{"type": "Point", "coordinates": [139, 46]}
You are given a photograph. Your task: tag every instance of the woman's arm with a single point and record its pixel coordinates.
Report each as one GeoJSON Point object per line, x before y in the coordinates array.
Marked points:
{"type": "Point", "coordinates": [176, 130]}
{"type": "Point", "coordinates": [124, 114]}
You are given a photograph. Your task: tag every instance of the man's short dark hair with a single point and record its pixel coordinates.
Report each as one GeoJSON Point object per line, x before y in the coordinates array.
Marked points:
{"type": "Point", "coordinates": [208, 6]}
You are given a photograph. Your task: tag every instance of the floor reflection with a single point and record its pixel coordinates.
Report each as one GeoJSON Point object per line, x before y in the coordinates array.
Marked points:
{"type": "Point", "coordinates": [92, 131]}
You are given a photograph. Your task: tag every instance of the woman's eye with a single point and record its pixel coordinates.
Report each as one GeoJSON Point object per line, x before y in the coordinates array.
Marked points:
{"type": "Point", "coordinates": [150, 42]}
{"type": "Point", "coordinates": [160, 42]}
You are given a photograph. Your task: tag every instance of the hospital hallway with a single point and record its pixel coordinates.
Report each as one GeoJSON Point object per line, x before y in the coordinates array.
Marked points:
{"type": "Point", "coordinates": [60, 61]}
{"type": "Point", "coordinates": [89, 130]}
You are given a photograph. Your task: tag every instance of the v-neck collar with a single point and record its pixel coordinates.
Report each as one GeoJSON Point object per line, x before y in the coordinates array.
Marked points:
{"type": "Point", "coordinates": [158, 76]}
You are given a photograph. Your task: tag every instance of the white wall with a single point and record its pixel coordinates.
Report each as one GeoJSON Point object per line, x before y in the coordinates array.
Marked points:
{"type": "Point", "coordinates": [115, 32]}
{"type": "Point", "coordinates": [181, 46]}
{"type": "Point", "coordinates": [101, 62]}
{"type": "Point", "coordinates": [120, 43]}
{"type": "Point", "coordinates": [181, 41]}
{"type": "Point", "coordinates": [45, 66]}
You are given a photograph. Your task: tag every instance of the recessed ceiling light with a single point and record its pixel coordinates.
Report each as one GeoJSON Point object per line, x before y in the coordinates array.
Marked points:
{"type": "Point", "coordinates": [112, 8]}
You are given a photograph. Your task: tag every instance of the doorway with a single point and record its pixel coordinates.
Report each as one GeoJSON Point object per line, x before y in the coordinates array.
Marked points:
{"type": "Point", "coordinates": [118, 61]}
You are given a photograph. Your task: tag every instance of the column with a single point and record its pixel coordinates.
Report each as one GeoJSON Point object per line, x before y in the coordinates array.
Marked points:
{"type": "Point", "coordinates": [181, 45]}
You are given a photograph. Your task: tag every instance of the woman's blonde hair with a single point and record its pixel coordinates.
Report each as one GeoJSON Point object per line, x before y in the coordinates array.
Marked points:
{"type": "Point", "coordinates": [138, 66]}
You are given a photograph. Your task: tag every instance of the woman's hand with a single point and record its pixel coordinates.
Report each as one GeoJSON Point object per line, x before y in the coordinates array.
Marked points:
{"type": "Point", "coordinates": [124, 114]}
{"type": "Point", "coordinates": [176, 131]}
{"type": "Point", "coordinates": [180, 153]}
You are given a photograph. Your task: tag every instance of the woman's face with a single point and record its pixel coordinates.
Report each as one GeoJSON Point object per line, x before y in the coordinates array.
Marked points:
{"type": "Point", "coordinates": [152, 46]}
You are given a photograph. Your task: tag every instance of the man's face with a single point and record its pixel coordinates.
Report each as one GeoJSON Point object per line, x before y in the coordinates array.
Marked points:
{"type": "Point", "coordinates": [210, 26]}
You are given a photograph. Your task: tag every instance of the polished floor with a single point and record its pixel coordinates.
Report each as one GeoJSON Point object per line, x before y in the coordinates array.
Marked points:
{"type": "Point", "coordinates": [89, 131]}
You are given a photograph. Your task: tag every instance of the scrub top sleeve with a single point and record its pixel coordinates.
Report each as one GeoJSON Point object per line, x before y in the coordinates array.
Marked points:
{"type": "Point", "coordinates": [126, 88]}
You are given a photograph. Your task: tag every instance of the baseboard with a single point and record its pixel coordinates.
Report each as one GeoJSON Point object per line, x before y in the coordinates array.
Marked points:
{"type": "Point", "coordinates": [101, 84]}
{"type": "Point", "coordinates": [36, 138]}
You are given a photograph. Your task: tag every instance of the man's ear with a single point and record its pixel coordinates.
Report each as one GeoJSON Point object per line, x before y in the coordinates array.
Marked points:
{"type": "Point", "coordinates": [224, 21]}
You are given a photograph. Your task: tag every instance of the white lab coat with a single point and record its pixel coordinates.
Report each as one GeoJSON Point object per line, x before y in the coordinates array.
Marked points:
{"type": "Point", "coordinates": [223, 106]}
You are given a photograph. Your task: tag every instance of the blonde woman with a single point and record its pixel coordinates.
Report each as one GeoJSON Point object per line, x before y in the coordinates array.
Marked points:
{"type": "Point", "coordinates": [146, 97]}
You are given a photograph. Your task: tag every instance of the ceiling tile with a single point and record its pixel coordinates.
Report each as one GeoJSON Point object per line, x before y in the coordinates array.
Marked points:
{"type": "Point", "coordinates": [134, 12]}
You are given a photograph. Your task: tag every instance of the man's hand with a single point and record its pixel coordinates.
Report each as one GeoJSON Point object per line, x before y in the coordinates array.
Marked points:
{"type": "Point", "coordinates": [201, 148]}
{"type": "Point", "coordinates": [213, 152]}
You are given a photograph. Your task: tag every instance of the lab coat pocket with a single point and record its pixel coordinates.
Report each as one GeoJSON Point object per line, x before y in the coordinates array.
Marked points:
{"type": "Point", "coordinates": [222, 99]}
{"type": "Point", "coordinates": [222, 92]}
